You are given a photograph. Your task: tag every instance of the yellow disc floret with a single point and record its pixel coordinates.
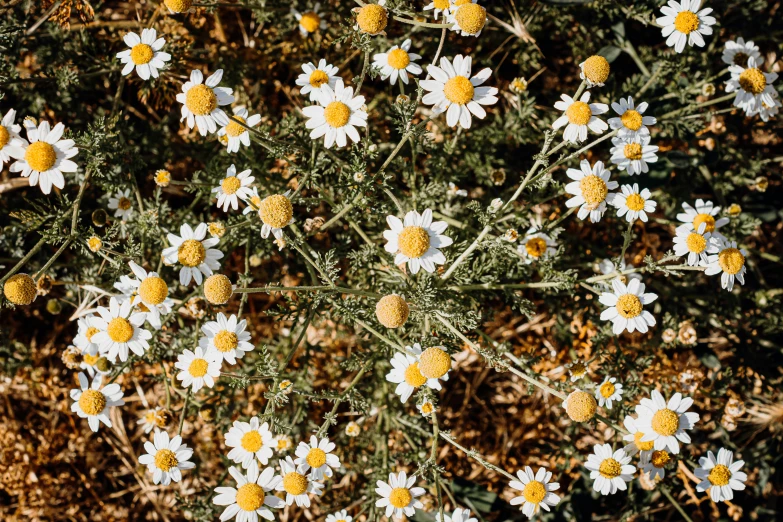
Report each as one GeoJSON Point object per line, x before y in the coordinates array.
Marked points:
{"type": "Point", "coordinates": [40, 156]}
{"type": "Point", "coordinates": [413, 241]}
{"type": "Point", "coordinates": [413, 376]}
{"type": "Point", "coordinates": [141, 54]}
{"type": "Point", "coordinates": [660, 458]}
{"type": "Point", "coordinates": [434, 363]}
{"type": "Point", "coordinates": [201, 100]}
{"type": "Point", "coordinates": [696, 243]}
{"type": "Point", "coordinates": [250, 497]}
{"type": "Point", "coordinates": [165, 459]}
{"type": "Point", "coordinates": [230, 184]}
{"type": "Point", "coordinates": [606, 390]}
{"type": "Point", "coordinates": [198, 367]}
{"type": "Point", "coordinates": [579, 113]}
{"type": "Point", "coordinates": [458, 90]}
{"type": "Point", "coordinates": [580, 406]}
{"type": "Point", "coordinates": [400, 497]}
{"type": "Point", "coordinates": [535, 247]}
{"type": "Point", "coordinates": [593, 190]}
{"type": "Point", "coordinates": [372, 18]}
{"type": "Point", "coordinates": [441, 4]}
{"type": "Point", "coordinates": [686, 22]}
{"type": "Point", "coordinates": [153, 290]}
{"type": "Point", "coordinates": [276, 211]}
{"type": "Point", "coordinates": [731, 260]}
{"type": "Point", "coordinates": [217, 289]}
{"type": "Point", "coordinates": [162, 178]}
{"type": "Point", "coordinates": [610, 468]}
{"type": "Point", "coordinates": [337, 114]}
{"type": "Point", "coordinates": [191, 253]}
{"type": "Point", "coordinates": [225, 341]}
{"type": "Point", "coordinates": [316, 458]}
{"type": "Point", "coordinates": [178, 6]}
{"type": "Point", "coordinates": [634, 202]}
{"type": "Point", "coordinates": [392, 311]}
{"type": "Point", "coordinates": [633, 151]}
{"type": "Point", "coordinates": [398, 58]}
{"type": "Point", "coordinates": [631, 120]}
{"type": "Point", "coordinates": [629, 306]}
{"type": "Point", "coordinates": [234, 129]}
{"type": "Point", "coordinates": [20, 289]}
{"type": "Point", "coordinates": [753, 81]}
{"type": "Point", "coordinates": [5, 136]}
{"type": "Point", "coordinates": [643, 446]}
{"type": "Point", "coordinates": [471, 18]}
{"type": "Point", "coordinates": [719, 475]}
{"type": "Point", "coordinates": [704, 218]}
{"type": "Point", "coordinates": [92, 402]}
{"type": "Point", "coordinates": [310, 21]}
{"type": "Point", "coordinates": [94, 243]}
{"type": "Point", "coordinates": [294, 483]}
{"type": "Point", "coordinates": [665, 422]}
{"type": "Point", "coordinates": [596, 69]}
{"type": "Point", "coordinates": [120, 330]}
{"type": "Point", "coordinates": [251, 441]}
{"type": "Point", "coordinates": [318, 78]}
{"type": "Point", "coordinates": [534, 492]}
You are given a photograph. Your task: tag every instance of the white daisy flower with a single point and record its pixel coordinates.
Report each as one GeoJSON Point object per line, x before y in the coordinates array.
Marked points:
{"type": "Point", "coordinates": [684, 22]}
{"type": "Point", "coordinates": [537, 491]}
{"type": "Point", "coordinates": [235, 134]}
{"type": "Point", "coordinates": [120, 331]}
{"type": "Point", "coordinates": [453, 91]}
{"type": "Point", "coordinates": [726, 259]}
{"type": "Point", "coordinates": [634, 437]}
{"type": "Point", "coordinates": [251, 498]}
{"type": "Point", "coordinates": [87, 326]}
{"type": "Point", "coordinates": [309, 21]}
{"type": "Point", "coordinates": [233, 187]}
{"type": "Point", "coordinates": [631, 121]}
{"type": "Point", "coordinates": [609, 391]}
{"type": "Point", "coordinates": [336, 116]}
{"type": "Point", "coordinates": [665, 423]}
{"type": "Point", "coordinates": [737, 53]}
{"type": "Point", "coordinates": [625, 307]}
{"type": "Point", "coordinates": [633, 204]}
{"type": "Point", "coordinates": [594, 71]}
{"type": "Point", "coordinates": [249, 441]}
{"type": "Point", "coordinates": [9, 136]}
{"type": "Point", "coordinates": [753, 87]}
{"type": "Point", "coordinates": [417, 240]}
{"type": "Point", "coordinates": [577, 370]}
{"type": "Point", "coordinates": [45, 157]}
{"type": "Point", "coordinates": [283, 443]}
{"type": "Point", "coordinates": [633, 156]}
{"type": "Point", "coordinates": [590, 189]}
{"type": "Point", "coordinates": [150, 294]}
{"type": "Point", "coordinates": [766, 112]}
{"type": "Point", "coordinates": [397, 63]}
{"type": "Point", "coordinates": [536, 245]}
{"type": "Point", "coordinates": [90, 365]}
{"type": "Point", "coordinates": [193, 252]}
{"type": "Point", "coordinates": [372, 18]}
{"type": "Point", "coordinates": [153, 419]}
{"type": "Point", "coordinates": [610, 471]}
{"type": "Point", "coordinates": [92, 402]}
{"type": "Point", "coordinates": [318, 456]}
{"type": "Point", "coordinates": [439, 7]}
{"type": "Point", "coordinates": [693, 243]}
{"type": "Point", "coordinates": [398, 495]}
{"type": "Point", "coordinates": [200, 368]}
{"type": "Point", "coordinates": [314, 78]}
{"type": "Point", "coordinates": [607, 266]}
{"type": "Point", "coordinates": [459, 515]}
{"type": "Point", "coordinates": [276, 211]}
{"type": "Point", "coordinates": [227, 337]}
{"type": "Point", "coordinates": [579, 116]}
{"type": "Point", "coordinates": [468, 18]}
{"type": "Point", "coordinates": [144, 55]}
{"type": "Point", "coordinates": [721, 475]}
{"type": "Point", "coordinates": [704, 212]}
{"type": "Point", "coordinates": [297, 484]}
{"type": "Point", "coordinates": [340, 516]}
{"type": "Point", "coordinates": [166, 458]}
{"type": "Point", "coordinates": [407, 374]}
{"type": "Point", "coordinates": [201, 101]}
{"type": "Point", "coordinates": [426, 408]}
{"type": "Point", "coordinates": [654, 462]}
{"type": "Point", "coordinates": [121, 204]}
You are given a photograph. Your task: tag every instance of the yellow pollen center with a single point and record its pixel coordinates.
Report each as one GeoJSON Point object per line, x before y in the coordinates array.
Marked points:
{"type": "Point", "coordinates": [471, 18]}
{"type": "Point", "coordinates": [5, 136]}
{"type": "Point", "coordinates": [337, 114]}
{"type": "Point", "coordinates": [400, 497]}
{"type": "Point", "coordinates": [704, 218]}
{"type": "Point", "coordinates": [426, 408]}
{"type": "Point", "coordinates": [94, 243]}
{"type": "Point", "coordinates": [696, 243]}
{"type": "Point", "coordinates": [413, 376]}
{"type": "Point", "coordinates": [92, 402]}
{"type": "Point", "coordinates": [535, 247]}
{"type": "Point", "coordinates": [201, 100]}
{"type": "Point", "coordinates": [593, 189]}
{"type": "Point", "coordinates": [90, 360]}
{"type": "Point", "coordinates": [413, 241]}
{"type": "Point", "coordinates": [629, 306]}
{"type": "Point", "coordinates": [665, 422]}
{"type": "Point", "coordinates": [631, 120]}
{"type": "Point", "coordinates": [124, 204]}
{"type": "Point", "coordinates": [441, 4]}
{"type": "Point", "coordinates": [191, 253]}
{"type": "Point", "coordinates": [719, 475]}
{"type": "Point", "coordinates": [633, 151]}
{"type": "Point", "coordinates": [283, 444]}
{"type": "Point", "coordinates": [458, 90]}
{"type": "Point", "coordinates": [40, 156]}
{"type": "Point", "coordinates": [316, 458]}
{"type": "Point", "coordinates": [596, 69]}
{"type": "Point", "coordinates": [579, 113]}
{"type": "Point", "coordinates": [318, 78]}
{"type": "Point", "coordinates": [276, 211]}
{"type": "Point", "coordinates": [581, 406]}
{"type": "Point", "coordinates": [250, 497]}
{"type": "Point", "coordinates": [534, 492]}
{"type": "Point", "coordinates": [141, 54]}
{"type": "Point", "coordinates": [294, 483]}
{"type": "Point", "coordinates": [310, 21]}
{"type": "Point", "coordinates": [606, 390]}
{"type": "Point", "coordinates": [225, 341]}
{"type": "Point", "coordinates": [434, 363]}
{"type": "Point", "coordinates": [610, 468]}
{"type": "Point", "coordinates": [198, 368]}
{"type": "Point", "coordinates": [660, 458]}
{"type": "Point", "coordinates": [252, 441]}
{"type": "Point", "coordinates": [153, 290]}
{"type": "Point", "coordinates": [217, 289]}
{"type": "Point", "coordinates": [686, 22]}
{"type": "Point", "coordinates": [643, 446]}
{"type": "Point", "coordinates": [165, 459]}
{"type": "Point", "coordinates": [90, 332]}
{"type": "Point", "coordinates": [178, 6]}
{"type": "Point", "coordinates": [230, 185]}
{"type": "Point", "coordinates": [234, 129]}
{"type": "Point", "coordinates": [120, 330]}
{"type": "Point", "coordinates": [392, 311]}
{"type": "Point", "coordinates": [731, 260]}
{"type": "Point", "coordinates": [398, 58]}
{"type": "Point", "coordinates": [753, 81]}
{"type": "Point", "coordinates": [741, 59]}
{"type": "Point", "coordinates": [372, 18]}
{"type": "Point", "coordinates": [635, 202]}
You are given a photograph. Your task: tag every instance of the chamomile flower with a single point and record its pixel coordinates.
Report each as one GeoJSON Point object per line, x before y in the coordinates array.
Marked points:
{"type": "Point", "coordinates": [459, 515]}
{"type": "Point", "coordinates": [426, 408]}
{"type": "Point", "coordinates": [154, 419]}
{"type": "Point", "coordinates": [609, 391]}
{"type": "Point", "coordinates": [468, 18]}
{"type": "Point", "coordinates": [693, 243]}
{"type": "Point", "coordinates": [339, 516]}
{"type": "Point", "coordinates": [336, 116]}
{"type": "Point", "coordinates": [720, 475]}
{"type": "Point", "coordinates": [201, 101]}
{"type": "Point", "coordinates": [9, 136]}
{"type": "Point", "coordinates": [752, 85]}
{"type": "Point", "coordinates": [144, 55]}
{"type": "Point", "coordinates": [579, 116]}
{"type": "Point", "coordinates": [683, 23]}
{"type": "Point", "coordinates": [252, 497]}
{"type": "Point", "coordinates": [439, 7]}
{"type": "Point", "coordinates": [227, 337]}
{"type": "Point", "coordinates": [283, 443]}
{"type": "Point", "coordinates": [317, 456]}
{"type": "Point", "coordinates": [198, 369]}
{"type": "Point", "coordinates": [234, 133]}
{"type": "Point", "coordinates": [631, 122]}
{"type": "Point", "coordinates": [536, 245]}
{"type": "Point", "coordinates": [233, 187]}
{"type": "Point", "coordinates": [577, 370]}
{"type": "Point", "coordinates": [43, 157]}
{"type": "Point", "coordinates": [296, 484]}
{"type": "Point", "coordinates": [121, 204]}
{"type": "Point", "coordinates": [634, 437]}
{"type": "Point", "coordinates": [766, 112]}
{"type": "Point", "coordinates": [738, 53]}
{"type": "Point", "coordinates": [94, 364]}
{"type": "Point", "coordinates": [398, 496]}
{"type": "Point", "coordinates": [92, 402]}
{"type": "Point", "coordinates": [406, 371]}
{"type": "Point", "coordinates": [178, 6]}
{"type": "Point", "coordinates": [150, 294]}
{"type": "Point", "coordinates": [314, 78]}
{"type": "Point", "coordinates": [537, 491]}
{"type": "Point", "coordinates": [594, 71]}
{"type": "Point", "coordinates": [249, 441]}
{"type": "Point", "coordinates": [452, 90]}
{"type": "Point", "coordinates": [119, 331]}
{"type": "Point", "coordinates": [397, 63]}
{"type": "Point", "coordinates": [634, 155]}
{"type": "Point", "coordinates": [654, 462]}
{"type": "Point", "coordinates": [625, 307]}
{"type": "Point", "coordinates": [87, 326]}
{"type": "Point", "coordinates": [726, 259]}
{"type": "Point", "coordinates": [310, 21]}
{"type": "Point", "coordinates": [704, 212]}
{"type": "Point", "coordinates": [372, 18]}
{"type": "Point", "coordinates": [633, 204]}
{"type": "Point", "coordinates": [193, 252]}
{"type": "Point", "coordinates": [276, 212]}
{"type": "Point", "coordinates": [610, 471]}
{"type": "Point", "coordinates": [352, 429]}
{"type": "Point", "coordinates": [416, 240]}
{"type": "Point", "coordinates": [666, 423]}
{"type": "Point", "coordinates": [590, 189]}
{"type": "Point", "coordinates": [166, 458]}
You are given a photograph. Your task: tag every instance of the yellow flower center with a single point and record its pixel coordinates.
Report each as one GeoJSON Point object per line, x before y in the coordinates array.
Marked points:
{"type": "Point", "coordinates": [753, 81]}
{"type": "Point", "coordinates": [165, 459]}
{"type": "Point", "coordinates": [427, 408]}
{"type": "Point", "coordinates": [217, 289]}
{"type": "Point", "coordinates": [593, 189]}
{"type": "Point", "coordinates": [686, 22]}
{"type": "Point", "coordinates": [153, 290]}
{"type": "Point", "coordinates": [234, 129]}
{"type": "Point", "coordinates": [372, 18]}
{"type": "Point", "coordinates": [162, 177]}
{"type": "Point", "coordinates": [392, 311]}
{"type": "Point", "coordinates": [120, 330]}
{"type": "Point", "coordinates": [606, 390]}
{"type": "Point", "coordinates": [337, 114]}
{"type": "Point", "coordinates": [413, 376]}
{"type": "Point", "coordinates": [230, 184]}
{"type": "Point", "coordinates": [250, 497]}
{"type": "Point", "coordinates": [633, 151]}
{"type": "Point", "coordinates": [398, 58]}
{"type": "Point", "coordinates": [318, 78]}
{"type": "Point", "coordinates": [704, 218]}
{"type": "Point", "coordinates": [458, 90]}
{"type": "Point", "coordinates": [94, 243]}
{"type": "Point", "coordinates": [251, 441]}
{"type": "Point", "coordinates": [191, 253]}
{"type": "Point", "coordinates": [719, 475]}
{"type": "Point", "coordinates": [178, 6]}
{"type": "Point", "coordinates": [741, 59]}
{"type": "Point", "coordinates": [596, 69]}
{"type": "Point", "coordinates": [400, 497]}
{"type": "Point", "coordinates": [225, 341]}
{"type": "Point", "coordinates": [535, 247]}
{"type": "Point", "coordinates": [316, 458]}
{"type": "Point", "coordinates": [581, 406]}
{"type": "Point", "coordinates": [141, 54]}
{"type": "Point", "coordinates": [294, 483]}
{"type": "Point", "coordinates": [434, 363]}
{"type": "Point", "coordinates": [635, 202]}
{"type": "Point", "coordinates": [731, 260]}
{"type": "Point", "coordinates": [534, 492]}
{"type": "Point", "coordinates": [276, 211]}
{"type": "Point", "coordinates": [124, 204]}
{"type": "Point", "coordinates": [413, 241]}
{"type": "Point", "coordinates": [629, 306]}
{"type": "Point", "coordinates": [643, 446]}
{"type": "Point", "coordinates": [201, 100]}
{"type": "Point", "coordinates": [441, 4]}
{"type": "Point", "coordinates": [90, 360]}
{"type": "Point", "coordinates": [92, 402]}
{"type": "Point", "coordinates": [660, 458]}
{"type": "Point", "coordinates": [665, 422]}
{"type": "Point", "coordinates": [5, 136]}
{"type": "Point", "coordinates": [310, 21]}
{"type": "Point", "coordinates": [198, 368]}
{"type": "Point", "coordinates": [40, 156]}
{"type": "Point", "coordinates": [632, 120]}
{"type": "Point", "coordinates": [20, 289]}
{"type": "Point", "coordinates": [610, 468]}
{"type": "Point", "coordinates": [579, 113]}
{"type": "Point", "coordinates": [696, 243]}
{"type": "Point", "coordinates": [471, 18]}
{"type": "Point", "coordinates": [90, 332]}
{"type": "Point", "coordinates": [283, 443]}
